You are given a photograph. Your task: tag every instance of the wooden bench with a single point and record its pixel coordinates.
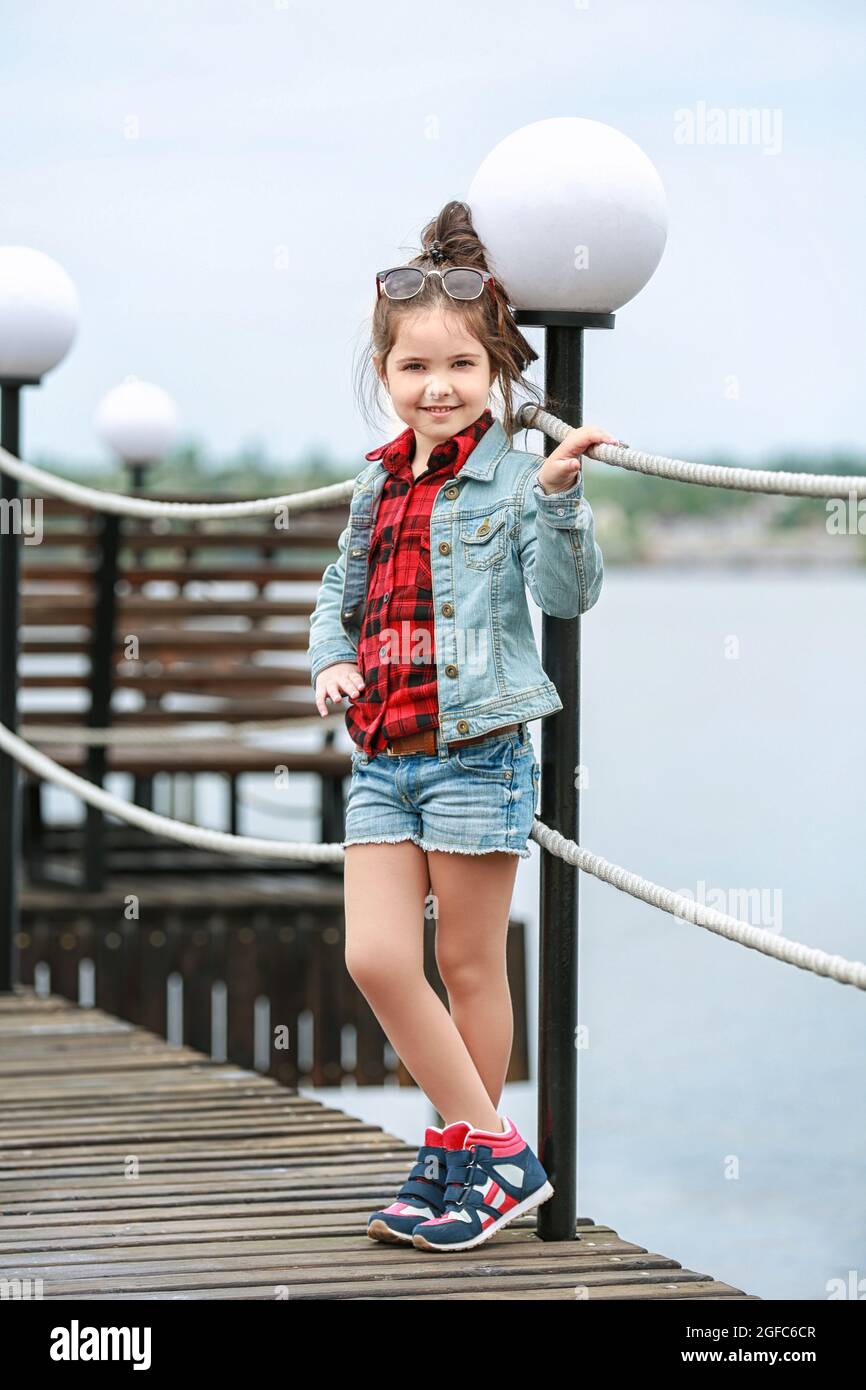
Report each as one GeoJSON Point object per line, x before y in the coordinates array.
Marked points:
{"type": "Point", "coordinates": [133, 602]}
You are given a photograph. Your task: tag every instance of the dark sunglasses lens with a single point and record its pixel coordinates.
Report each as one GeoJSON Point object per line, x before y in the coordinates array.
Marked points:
{"type": "Point", "coordinates": [403, 283]}
{"type": "Point", "coordinates": [463, 284]}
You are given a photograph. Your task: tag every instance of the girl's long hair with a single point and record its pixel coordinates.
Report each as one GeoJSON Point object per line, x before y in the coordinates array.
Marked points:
{"type": "Point", "coordinates": [489, 318]}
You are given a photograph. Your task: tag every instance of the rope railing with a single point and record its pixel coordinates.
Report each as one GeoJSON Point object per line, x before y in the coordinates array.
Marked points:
{"type": "Point", "coordinates": [734, 928]}
{"type": "Point", "coordinates": [197, 836]}
{"type": "Point", "coordinates": [808, 958]}
{"type": "Point", "coordinates": [706, 474]}
{"type": "Point", "coordinates": [100, 500]}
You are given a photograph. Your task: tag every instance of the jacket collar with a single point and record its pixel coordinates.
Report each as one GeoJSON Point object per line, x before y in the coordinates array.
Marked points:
{"type": "Point", "coordinates": [491, 447]}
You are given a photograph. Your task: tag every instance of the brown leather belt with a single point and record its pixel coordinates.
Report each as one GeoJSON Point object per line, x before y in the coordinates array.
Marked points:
{"type": "Point", "coordinates": [425, 741]}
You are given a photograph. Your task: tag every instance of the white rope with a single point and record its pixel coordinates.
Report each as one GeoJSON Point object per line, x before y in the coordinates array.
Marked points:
{"type": "Point", "coordinates": [204, 727]}
{"type": "Point", "coordinates": [221, 840]}
{"type": "Point", "coordinates": [102, 501]}
{"type": "Point", "coordinates": [757, 938]}
{"type": "Point", "coordinates": [528, 417]}
{"type": "Point", "coordinates": [846, 972]}
{"type": "Point", "coordinates": [707, 474]}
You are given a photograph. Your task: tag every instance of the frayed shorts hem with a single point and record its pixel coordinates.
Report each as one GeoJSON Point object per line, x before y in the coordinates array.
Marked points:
{"type": "Point", "coordinates": [428, 845]}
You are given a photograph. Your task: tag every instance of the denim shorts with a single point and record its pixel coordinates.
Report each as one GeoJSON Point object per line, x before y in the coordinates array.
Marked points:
{"type": "Point", "coordinates": [474, 801]}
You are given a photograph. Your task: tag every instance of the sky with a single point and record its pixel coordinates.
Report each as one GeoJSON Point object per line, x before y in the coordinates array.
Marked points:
{"type": "Point", "coordinates": [222, 181]}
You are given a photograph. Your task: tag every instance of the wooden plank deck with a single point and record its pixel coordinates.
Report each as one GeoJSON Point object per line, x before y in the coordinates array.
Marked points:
{"type": "Point", "coordinates": [131, 1169]}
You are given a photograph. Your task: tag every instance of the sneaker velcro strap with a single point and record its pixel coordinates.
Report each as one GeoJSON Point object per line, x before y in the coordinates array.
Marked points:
{"type": "Point", "coordinates": [425, 1189]}
{"type": "Point", "coordinates": [422, 1169]}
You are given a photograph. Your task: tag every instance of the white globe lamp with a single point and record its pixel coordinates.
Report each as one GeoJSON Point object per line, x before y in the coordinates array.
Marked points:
{"type": "Point", "coordinates": [573, 214]}
{"type": "Point", "coordinates": [38, 314]}
{"type": "Point", "coordinates": [139, 421]}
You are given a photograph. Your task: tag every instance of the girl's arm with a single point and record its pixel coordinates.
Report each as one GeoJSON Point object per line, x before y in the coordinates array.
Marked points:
{"type": "Point", "coordinates": [328, 641]}
{"type": "Point", "coordinates": [561, 559]}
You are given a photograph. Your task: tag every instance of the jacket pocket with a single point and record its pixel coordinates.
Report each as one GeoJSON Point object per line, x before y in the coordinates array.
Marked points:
{"type": "Point", "coordinates": [485, 545]}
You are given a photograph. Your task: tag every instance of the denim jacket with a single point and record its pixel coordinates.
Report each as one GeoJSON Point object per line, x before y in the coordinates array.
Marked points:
{"type": "Point", "coordinates": [493, 531]}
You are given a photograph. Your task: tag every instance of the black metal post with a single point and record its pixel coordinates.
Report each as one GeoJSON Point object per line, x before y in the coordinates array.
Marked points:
{"type": "Point", "coordinates": [102, 657]}
{"type": "Point", "coordinates": [138, 469]}
{"type": "Point", "coordinates": [10, 612]}
{"type": "Point", "coordinates": [142, 784]}
{"type": "Point", "coordinates": [560, 809]}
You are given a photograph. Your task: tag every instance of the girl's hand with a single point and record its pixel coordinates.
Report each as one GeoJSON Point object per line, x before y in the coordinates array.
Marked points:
{"type": "Point", "coordinates": [561, 469]}
{"type": "Point", "coordinates": [336, 681]}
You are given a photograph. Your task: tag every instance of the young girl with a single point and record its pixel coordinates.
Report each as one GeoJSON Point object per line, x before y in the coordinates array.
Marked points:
{"type": "Point", "coordinates": [423, 624]}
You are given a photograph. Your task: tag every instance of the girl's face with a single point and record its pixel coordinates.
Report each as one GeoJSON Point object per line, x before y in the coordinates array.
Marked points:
{"type": "Point", "coordinates": [437, 375]}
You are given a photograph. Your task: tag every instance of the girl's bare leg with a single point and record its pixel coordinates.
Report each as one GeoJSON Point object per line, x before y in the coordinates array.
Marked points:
{"type": "Point", "coordinates": [473, 896]}
{"type": "Point", "coordinates": [385, 888]}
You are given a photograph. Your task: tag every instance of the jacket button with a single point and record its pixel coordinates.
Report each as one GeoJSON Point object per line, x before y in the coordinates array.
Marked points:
{"type": "Point", "coordinates": [451, 493]}
{"type": "Point", "coordinates": [448, 610]}
{"type": "Point", "coordinates": [451, 670]}
{"type": "Point", "coordinates": [444, 548]}
{"type": "Point", "coordinates": [463, 726]}
{"type": "Point", "coordinates": [560, 511]}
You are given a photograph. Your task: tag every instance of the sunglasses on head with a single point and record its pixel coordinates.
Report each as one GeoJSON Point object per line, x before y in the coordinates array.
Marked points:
{"type": "Point", "coordinates": [460, 282]}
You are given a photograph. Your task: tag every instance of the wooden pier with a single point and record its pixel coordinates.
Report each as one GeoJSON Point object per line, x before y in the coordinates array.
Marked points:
{"type": "Point", "coordinates": [132, 1169]}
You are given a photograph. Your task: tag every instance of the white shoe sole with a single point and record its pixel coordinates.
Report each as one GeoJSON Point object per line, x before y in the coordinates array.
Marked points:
{"type": "Point", "coordinates": [535, 1199]}
{"type": "Point", "coordinates": [379, 1230]}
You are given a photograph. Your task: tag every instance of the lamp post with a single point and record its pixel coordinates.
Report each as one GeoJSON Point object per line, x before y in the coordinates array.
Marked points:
{"type": "Point", "coordinates": [573, 216]}
{"type": "Point", "coordinates": [139, 422]}
{"type": "Point", "coordinates": [38, 320]}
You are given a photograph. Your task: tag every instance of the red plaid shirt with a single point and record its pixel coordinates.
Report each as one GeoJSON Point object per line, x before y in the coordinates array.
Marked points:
{"type": "Point", "coordinates": [396, 654]}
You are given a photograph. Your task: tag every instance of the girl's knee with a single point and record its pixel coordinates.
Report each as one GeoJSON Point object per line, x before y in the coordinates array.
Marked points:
{"type": "Point", "coordinates": [375, 971]}
{"type": "Point", "coordinates": [361, 964]}
{"type": "Point", "coordinates": [465, 974]}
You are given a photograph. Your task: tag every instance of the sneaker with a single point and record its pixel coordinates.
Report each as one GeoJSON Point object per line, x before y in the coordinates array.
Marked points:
{"type": "Point", "coordinates": [422, 1194]}
{"type": "Point", "coordinates": [492, 1179]}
